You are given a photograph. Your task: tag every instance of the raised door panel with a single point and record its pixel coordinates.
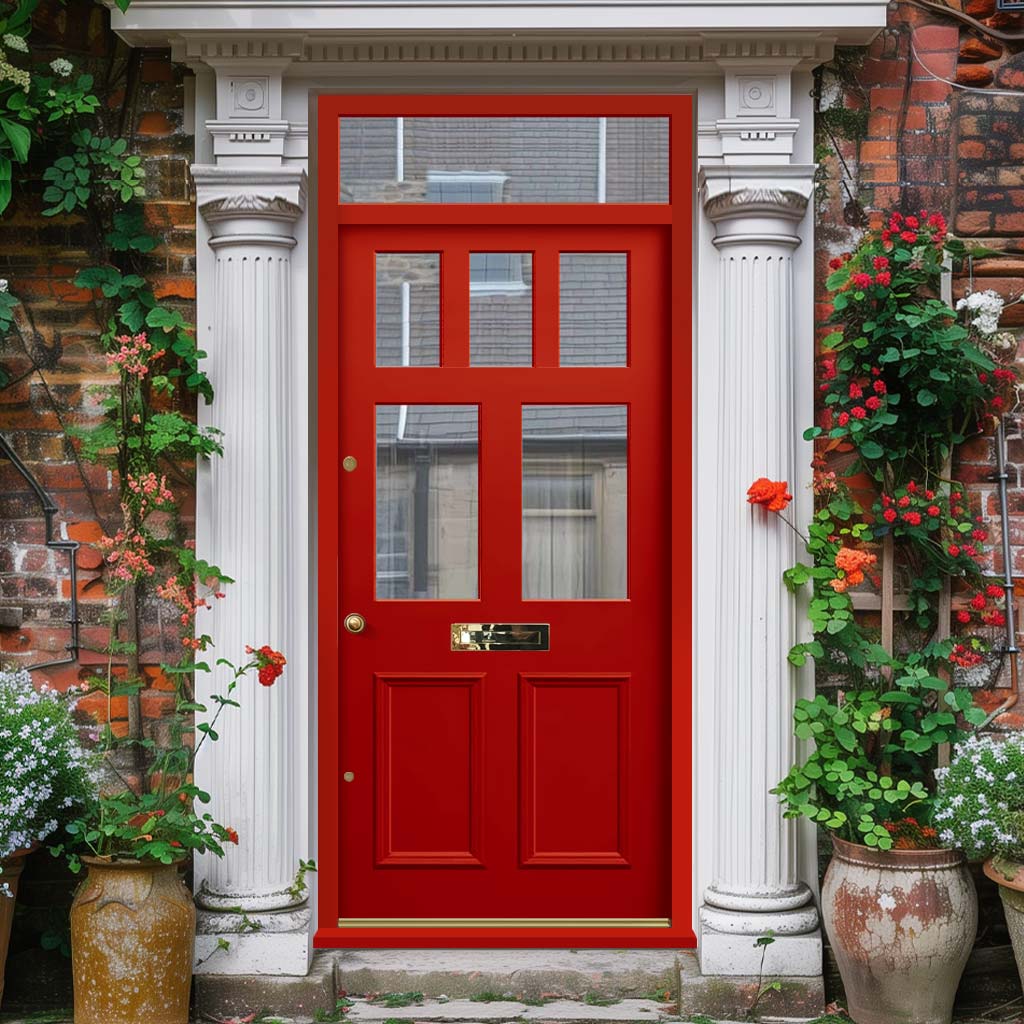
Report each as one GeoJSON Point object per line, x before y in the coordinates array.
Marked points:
{"type": "Point", "coordinates": [574, 769]}
{"type": "Point", "coordinates": [429, 763]}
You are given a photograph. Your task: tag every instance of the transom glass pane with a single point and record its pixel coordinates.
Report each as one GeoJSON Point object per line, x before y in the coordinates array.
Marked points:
{"type": "Point", "coordinates": [500, 308]}
{"type": "Point", "coordinates": [427, 501]}
{"type": "Point", "coordinates": [592, 308]}
{"type": "Point", "coordinates": [574, 501]}
{"type": "Point", "coordinates": [408, 309]}
{"type": "Point", "coordinates": [504, 159]}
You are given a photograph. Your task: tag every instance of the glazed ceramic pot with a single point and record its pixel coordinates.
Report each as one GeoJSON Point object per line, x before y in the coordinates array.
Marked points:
{"type": "Point", "coordinates": [10, 872]}
{"type": "Point", "coordinates": [133, 927]}
{"type": "Point", "coordinates": [902, 924]}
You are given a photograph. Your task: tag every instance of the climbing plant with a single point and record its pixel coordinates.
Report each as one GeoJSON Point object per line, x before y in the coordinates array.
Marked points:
{"type": "Point", "coordinates": [905, 379]}
{"type": "Point", "coordinates": [76, 165]}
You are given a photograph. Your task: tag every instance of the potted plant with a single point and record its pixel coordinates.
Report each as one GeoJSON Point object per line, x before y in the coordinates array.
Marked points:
{"type": "Point", "coordinates": [903, 382]}
{"type": "Point", "coordinates": [46, 778]}
{"type": "Point", "coordinates": [980, 809]}
{"type": "Point", "coordinates": [133, 919]}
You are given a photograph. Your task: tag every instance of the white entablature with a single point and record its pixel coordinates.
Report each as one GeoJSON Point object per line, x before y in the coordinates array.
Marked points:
{"type": "Point", "coordinates": [748, 64]}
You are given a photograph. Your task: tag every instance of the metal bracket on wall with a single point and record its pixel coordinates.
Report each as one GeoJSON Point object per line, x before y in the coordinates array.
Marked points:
{"type": "Point", "coordinates": [69, 546]}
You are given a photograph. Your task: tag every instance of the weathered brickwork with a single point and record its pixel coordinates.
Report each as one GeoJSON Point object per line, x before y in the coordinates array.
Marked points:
{"type": "Point", "coordinates": [57, 365]}
{"type": "Point", "coordinates": [942, 134]}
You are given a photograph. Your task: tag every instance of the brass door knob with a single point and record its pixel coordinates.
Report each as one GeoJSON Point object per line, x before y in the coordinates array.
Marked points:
{"type": "Point", "coordinates": [354, 622]}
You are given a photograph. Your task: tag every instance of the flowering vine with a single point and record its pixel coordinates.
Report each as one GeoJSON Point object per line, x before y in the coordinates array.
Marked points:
{"type": "Point", "coordinates": [903, 380]}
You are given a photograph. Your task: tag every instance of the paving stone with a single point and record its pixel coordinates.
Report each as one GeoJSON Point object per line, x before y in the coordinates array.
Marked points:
{"type": "Point", "coordinates": [475, 1012]}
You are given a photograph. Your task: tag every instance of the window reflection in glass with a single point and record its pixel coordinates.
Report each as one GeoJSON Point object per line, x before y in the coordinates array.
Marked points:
{"type": "Point", "coordinates": [592, 308]}
{"type": "Point", "coordinates": [574, 502]}
{"type": "Point", "coordinates": [427, 494]}
{"type": "Point", "coordinates": [408, 319]}
{"type": "Point", "coordinates": [504, 159]}
{"type": "Point", "coordinates": [500, 308]}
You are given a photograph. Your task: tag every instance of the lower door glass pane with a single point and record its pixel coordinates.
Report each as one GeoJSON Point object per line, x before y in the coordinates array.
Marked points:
{"type": "Point", "coordinates": [574, 501]}
{"type": "Point", "coordinates": [427, 494]}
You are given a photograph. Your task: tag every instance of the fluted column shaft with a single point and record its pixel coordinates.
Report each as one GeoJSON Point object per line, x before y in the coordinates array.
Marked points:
{"type": "Point", "coordinates": [755, 880]}
{"type": "Point", "coordinates": [248, 528]}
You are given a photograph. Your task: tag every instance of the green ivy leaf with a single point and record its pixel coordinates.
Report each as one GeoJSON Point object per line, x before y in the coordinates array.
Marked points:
{"type": "Point", "coordinates": [19, 137]}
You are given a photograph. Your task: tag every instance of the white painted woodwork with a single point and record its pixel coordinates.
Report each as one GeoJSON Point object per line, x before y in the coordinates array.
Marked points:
{"type": "Point", "coordinates": [747, 62]}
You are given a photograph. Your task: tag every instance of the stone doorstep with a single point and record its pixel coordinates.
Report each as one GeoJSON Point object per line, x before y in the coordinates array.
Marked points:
{"type": "Point", "coordinates": [520, 973]}
{"type": "Point", "coordinates": [563, 978]}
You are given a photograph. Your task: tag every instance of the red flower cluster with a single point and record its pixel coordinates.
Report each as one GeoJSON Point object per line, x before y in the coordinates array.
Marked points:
{"type": "Point", "coordinates": [986, 605]}
{"type": "Point", "coordinates": [772, 494]}
{"type": "Point", "coordinates": [947, 516]}
{"type": "Point", "coordinates": [269, 662]}
{"type": "Point", "coordinates": [857, 406]}
{"type": "Point", "coordinates": [913, 230]}
{"type": "Point", "coordinates": [910, 834]}
{"type": "Point", "coordinates": [965, 657]}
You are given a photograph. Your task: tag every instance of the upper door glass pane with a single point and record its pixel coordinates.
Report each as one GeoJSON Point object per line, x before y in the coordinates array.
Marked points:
{"type": "Point", "coordinates": [408, 320]}
{"type": "Point", "coordinates": [504, 159]}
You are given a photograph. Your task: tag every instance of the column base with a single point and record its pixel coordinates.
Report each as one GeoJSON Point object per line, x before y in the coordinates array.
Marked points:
{"type": "Point", "coordinates": [275, 943]}
{"type": "Point", "coordinates": [233, 997]}
{"type": "Point", "coordinates": [721, 997]}
{"type": "Point", "coordinates": [728, 944]}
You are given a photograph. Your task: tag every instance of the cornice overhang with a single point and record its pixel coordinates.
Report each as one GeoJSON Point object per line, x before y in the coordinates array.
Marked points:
{"type": "Point", "coordinates": [674, 30]}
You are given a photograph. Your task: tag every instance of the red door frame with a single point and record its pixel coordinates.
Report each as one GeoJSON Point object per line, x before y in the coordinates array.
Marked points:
{"type": "Point", "coordinates": [333, 217]}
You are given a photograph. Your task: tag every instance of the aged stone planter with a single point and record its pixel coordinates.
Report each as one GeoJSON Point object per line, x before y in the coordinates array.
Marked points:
{"type": "Point", "coordinates": [12, 869]}
{"type": "Point", "coordinates": [902, 924]}
{"type": "Point", "coordinates": [1011, 892]}
{"type": "Point", "coordinates": [132, 944]}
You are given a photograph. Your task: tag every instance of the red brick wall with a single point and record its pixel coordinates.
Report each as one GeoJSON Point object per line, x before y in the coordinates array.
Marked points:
{"type": "Point", "coordinates": [56, 360]}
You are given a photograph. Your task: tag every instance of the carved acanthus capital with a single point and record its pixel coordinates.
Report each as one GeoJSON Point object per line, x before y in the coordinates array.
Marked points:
{"type": "Point", "coordinates": [243, 205]}
{"type": "Point", "coordinates": [779, 202]}
{"type": "Point", "coordinates": [757, 203]}
{"type": "Point", "coordinates": [246, 204]}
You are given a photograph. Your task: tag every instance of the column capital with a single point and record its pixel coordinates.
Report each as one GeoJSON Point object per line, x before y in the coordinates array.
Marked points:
{"type": "Point", "coordinates": [756, 204]}
{"type": "Point", "coordinates": [250, 207]}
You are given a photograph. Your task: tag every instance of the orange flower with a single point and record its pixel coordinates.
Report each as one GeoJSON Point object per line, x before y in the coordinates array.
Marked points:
{"type": "Point", "coordinates": [851, 562]}
{"type": "Point", "coordinates": [772, 494]}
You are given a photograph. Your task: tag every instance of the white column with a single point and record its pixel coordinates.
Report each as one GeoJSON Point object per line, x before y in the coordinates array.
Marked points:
{"type": "Point", "coordinates": [750, 620]}
{"type": "Point", "coordinates": [251, 523]}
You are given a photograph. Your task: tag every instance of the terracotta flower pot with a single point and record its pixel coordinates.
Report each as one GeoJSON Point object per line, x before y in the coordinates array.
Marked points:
{"type": "Point", "coordinates": [902, 924]}
{"type": "Point", "coordinates": [1011, 892]}
{"type": "Point", "coordinates": [12, 869]}
{"type": "Point", "coordinates": [133, 930]}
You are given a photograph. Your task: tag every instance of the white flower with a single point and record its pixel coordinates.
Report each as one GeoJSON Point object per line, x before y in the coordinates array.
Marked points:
{"type": "Point", "coordinates": [984, 309]}
{"type": "Point", "coordinates": [3, 284]}
{"type": "Point", "coordinates": [13, 42]}
{"type": "Point", "coordinates": [62, 67]}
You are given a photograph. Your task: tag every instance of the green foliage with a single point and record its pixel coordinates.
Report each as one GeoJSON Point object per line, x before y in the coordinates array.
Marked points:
{"type": "Point", "coordinates": [138, 311]}
{"type": "Point", "coordinates": [96, 162]}
{"type": "Point", "coordinates": [33, 101]}
{"type": "Point", "coordinates": [393, 1000]}
{"type": "Point", "coordinates": [873, 752]}
{"type": "Point", "coordinates": [129, 232]}
{"type": "Point", "coordinates": [596, 999]}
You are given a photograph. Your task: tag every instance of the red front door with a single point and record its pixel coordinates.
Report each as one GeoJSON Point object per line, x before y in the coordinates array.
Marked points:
{"type": "Point", "coordinates": [504, 600]}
